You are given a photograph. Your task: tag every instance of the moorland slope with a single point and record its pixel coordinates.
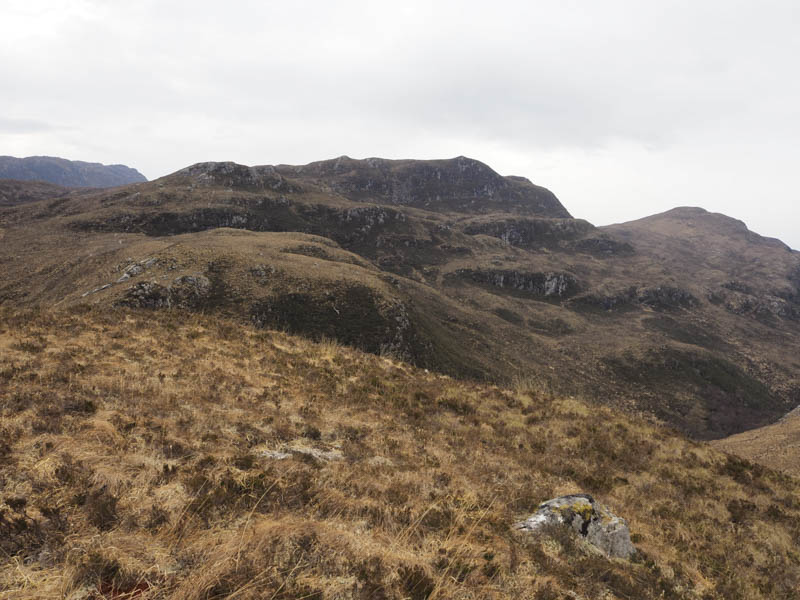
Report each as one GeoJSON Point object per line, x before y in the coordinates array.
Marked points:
{"type": "Point", "coordinates": [177, 455]}
{"type": "Point", "coordinates": [685, 316]}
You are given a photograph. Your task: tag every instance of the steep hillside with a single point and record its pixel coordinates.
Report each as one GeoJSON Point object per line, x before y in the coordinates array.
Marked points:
{"type": "Point", "coordinates": [687, 316]}
{"type": "Point", "coordinates": [67, 173]}
{"type": "Point", "coordinates": [178, 455]}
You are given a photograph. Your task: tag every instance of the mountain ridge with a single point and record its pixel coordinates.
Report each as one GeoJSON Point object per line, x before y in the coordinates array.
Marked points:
{"type": "Point", "coordinates": [67, 173]}
{"type": "Point", "coordinates": [441, 184]}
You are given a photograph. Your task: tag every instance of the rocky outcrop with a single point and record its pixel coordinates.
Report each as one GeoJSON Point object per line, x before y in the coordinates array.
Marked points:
{"type": "Point", "coordinates": [603, 246]}
{"type": "Point", "coordinates": [187, 291]}
{"type": "Point", "coordinates": [531, 233]}
{"type": "Point", "coordinates": [549, 284]}
{"type": "Point", "coordinates": [136, 268]}
{"type": "Point", "coordinates": [356, 227]}
{"type": "Point", "coordinates": [146, 294]}
{"type": "Point", "coordinates": [591, 520]}
{"type": "Point", "coordinates": [741, 299]}
{"type": "Point", "coordinates": [666, 297]}
{"type": "Point", "coordinates": [350, 313]}
{"type": "Point", "coordinates": [660, 298]}
{"type": "Point", "coordinates": [233, 175]}
{"type": "Point", "coordinates": [459, 185]}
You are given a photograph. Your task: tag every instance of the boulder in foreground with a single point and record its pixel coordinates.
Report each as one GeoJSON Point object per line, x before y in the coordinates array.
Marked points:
{"type": "Point", "coordinates": [591, 520]}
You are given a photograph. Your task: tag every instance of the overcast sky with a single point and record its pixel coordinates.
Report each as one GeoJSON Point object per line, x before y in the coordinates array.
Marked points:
{"type": "Point", "coordinates": [622, 108]}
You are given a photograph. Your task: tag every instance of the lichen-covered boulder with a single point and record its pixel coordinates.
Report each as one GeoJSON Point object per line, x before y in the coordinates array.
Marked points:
{"type": "Point", "coordinates": [591, 520]}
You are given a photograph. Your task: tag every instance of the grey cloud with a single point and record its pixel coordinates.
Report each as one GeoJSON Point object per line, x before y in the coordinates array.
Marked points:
{"type": "Point", "coordinates": [21, 126]}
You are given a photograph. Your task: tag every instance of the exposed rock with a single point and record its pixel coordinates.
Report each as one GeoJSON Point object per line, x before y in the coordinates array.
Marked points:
{"type": "Point", "coordinates": [233, 175]}
{"type": "Point", "coordinates": [603, 246]}
{"type": "Point", "coordinates": [187, 291]}
{"type": "Point", "coordinates": [351, 313]}
{"type": "Point", "coordinates": [137, 268]}
{"type": "Point", "coordinates": [531, 233]}
{"type": "Point", "coordinates": [545, 285]}
{"type": "Point", "coordinates": [146, 294]}
{"type": "Point", "coordinates": [661, 298]}
{"type": "Point", "coordinates": [95, 290]}
{"type": "Point", "coordinates": [263, 273]}
{"type": "Point", "coordinates": [666, 297]}
{"type": "Point", "coordinates": [588, 518]}
{"type": "Point", "coordinates": [276, 454]}
{"type": "Point", "coordinates": [460, 184]}
{"type": "Point", "coordinates": [605, 302]}
{"type": "Point", "coordinates": [738, 286]}
{"type": "Point", "coordinates": [741, 299]}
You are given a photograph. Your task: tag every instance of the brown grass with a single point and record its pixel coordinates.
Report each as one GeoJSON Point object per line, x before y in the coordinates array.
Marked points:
{"type": "Point", "coordinates": [135, 463]}
{"type": "Point", "coordinates": [776, 446]}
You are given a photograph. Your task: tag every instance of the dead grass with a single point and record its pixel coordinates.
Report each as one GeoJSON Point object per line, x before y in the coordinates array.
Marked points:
{"type": "Point", "coordinates": [776, 446]}
{"type": "Point", "coordinates": [138, 460]}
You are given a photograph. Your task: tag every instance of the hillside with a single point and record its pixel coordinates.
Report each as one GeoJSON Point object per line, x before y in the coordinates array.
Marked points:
{"type": "Point", "coordinates": [14, 192]}
{"type": "Point", "coordinates": [686, 317]}
{"type": "Point", "coordinates": [776, 446]}
{"type": "Point", "coordinates": [67, 173]}
{"type": "Point", "coordinates": [179, 455]}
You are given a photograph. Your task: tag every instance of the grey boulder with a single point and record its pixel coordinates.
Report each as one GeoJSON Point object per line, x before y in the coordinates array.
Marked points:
{"type": "Point", "coordinates": [589, 519]}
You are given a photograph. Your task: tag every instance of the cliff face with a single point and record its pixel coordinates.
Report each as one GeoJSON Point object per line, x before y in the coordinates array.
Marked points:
{"type": "Point", "coordinates": [686, 316]}
{"type": "Point", "coordinates": [67, 173]}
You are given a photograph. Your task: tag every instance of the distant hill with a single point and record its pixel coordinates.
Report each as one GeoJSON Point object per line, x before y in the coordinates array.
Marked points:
{"type": "Point", "coordinates": [68, 173]}
{"type": "Point", "coordinates": [14, 192]}
{"type": "Point", "coordinates": [686, 316]}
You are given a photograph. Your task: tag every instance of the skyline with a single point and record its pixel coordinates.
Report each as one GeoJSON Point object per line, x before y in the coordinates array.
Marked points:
{"type": "Point", "coordinates": [622, 110]}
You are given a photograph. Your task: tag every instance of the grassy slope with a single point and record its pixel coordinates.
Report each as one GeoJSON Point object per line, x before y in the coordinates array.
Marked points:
{"type": "Point", "coordinates": [133, 464]}
{"type": "Point", "coordinates": [776, 445]}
